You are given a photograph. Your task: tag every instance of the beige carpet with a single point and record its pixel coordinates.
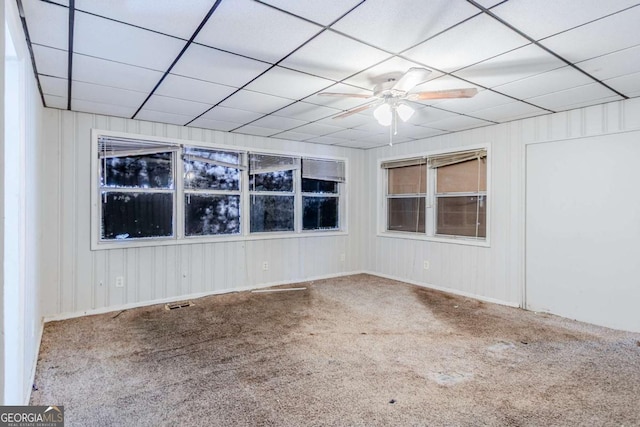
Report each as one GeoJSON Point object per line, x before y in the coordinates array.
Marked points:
{"type": "Point", "coordinates": [352, 351]}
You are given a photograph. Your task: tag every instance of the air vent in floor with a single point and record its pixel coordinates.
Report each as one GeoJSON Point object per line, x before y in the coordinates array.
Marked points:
{"type": "Point", "coordinates": [176, 305]}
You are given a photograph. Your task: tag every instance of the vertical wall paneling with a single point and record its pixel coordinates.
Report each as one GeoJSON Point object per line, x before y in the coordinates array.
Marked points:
{"type": "Point", "coordinates": [82, 280]}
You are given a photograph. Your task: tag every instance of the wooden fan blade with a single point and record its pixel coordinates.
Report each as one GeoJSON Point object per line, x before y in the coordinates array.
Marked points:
{"type": "Point", "coordinates": [443, 94]}
{"type": "Point", "coordinates": [413, 77]}
{"type": "Point", "coordinates": [345, 95]}
{"type": "Point", "coordinates": [357, 110]}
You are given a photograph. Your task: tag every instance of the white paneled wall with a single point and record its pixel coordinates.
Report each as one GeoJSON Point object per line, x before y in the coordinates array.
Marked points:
{"type": "Point", "coordinates": [78, 280]}
{"type": "Point", "coordinates": [497, 272]}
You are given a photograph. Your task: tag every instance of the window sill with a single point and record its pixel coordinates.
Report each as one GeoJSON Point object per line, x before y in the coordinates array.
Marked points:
{"type": "Point", "coordinates": [437, 239]}
{"type": "Point", "coordinates": [128, 244]}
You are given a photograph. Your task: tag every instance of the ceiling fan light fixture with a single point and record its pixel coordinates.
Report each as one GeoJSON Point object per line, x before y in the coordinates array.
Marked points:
{"type": "Point", "coordinates": [404, 112]}
{"type": "Point", "coordinates": [383, 114]}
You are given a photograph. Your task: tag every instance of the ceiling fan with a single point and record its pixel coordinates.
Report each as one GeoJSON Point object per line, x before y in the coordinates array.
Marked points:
{"type": "Point", "coordinates": [391, 96]}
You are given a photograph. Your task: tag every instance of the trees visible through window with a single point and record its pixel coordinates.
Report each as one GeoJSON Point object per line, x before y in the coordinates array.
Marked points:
{"type": "Point", "coordinates": [212, 180]}
{"type": "Point", "coordinates": [136, 190]}
{"type": "Point", "coordinates": [149, 190]}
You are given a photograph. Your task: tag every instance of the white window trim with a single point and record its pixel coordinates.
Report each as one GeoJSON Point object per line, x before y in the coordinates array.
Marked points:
{"type": "Point", "coordinates": [179, 238]}
{"type": "Point", "coordinates": [429, 235]}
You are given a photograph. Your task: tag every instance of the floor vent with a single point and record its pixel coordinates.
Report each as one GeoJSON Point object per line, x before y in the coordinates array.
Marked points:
{"type": "Point", "coordinates": [176, 305]}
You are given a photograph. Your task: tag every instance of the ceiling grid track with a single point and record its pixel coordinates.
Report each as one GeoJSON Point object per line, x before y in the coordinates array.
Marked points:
{"type": "Point", "coordinates": [175, 61]}
{"type": "Point", "coordinates": [72, 12]}
{"type": "Point", "coordinates": [23, 21]}
{"type": "Point", "coordinates": [543, 47]}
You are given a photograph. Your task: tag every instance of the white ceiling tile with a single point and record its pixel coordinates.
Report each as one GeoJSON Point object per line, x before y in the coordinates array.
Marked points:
{"type": "Point", "coordinates": [53, 101]}
{"type": "Point", "coordinates": [405, 130]}
{"type": "Point", "coordinates": [215, 66]}
{"type": "Point", "coordinates": [256, 130]}
{"type": "Point", "coordinates": [53, 85]}
{"type": "Point", "coordinates": [576, 97]}
{"type": "Point", "coordinates": [111, 40]}
{"type": "Point", "coordinates": [484, 99]}
{"type": "Point", "coordinates": [489, 3]}
{"type": "Point", "coordinates": [294, 135]}
{"type": "Point", "coordinates": [628, 85]}
{"type": "Point", "coordinates": [100, 108]}
{"type": "Point", "coordinates": [511, 66]}
{"type": "Point", "coordinates": [329, 140]}
{"type": "Point", "coordinates": [620, 63]}
{"type": "Point", "coordinates": [107, 95]}
{"type": "Point", "coordinates": [52, 62]}
{"type": "Point", "coordinates": [457, 123]}
{"type": "Point", "coordinates": [509, 112]}
{"type": "Point", "coordinates": [542, 18]}
{"type": "Point", "coordinates": [473, 41]}
{"type": "Point", "coordinates": [333, 56]}
{"type": "Point", "coordinates": [61, 2]}
{"type": "Point", "coordinates": [399, 25]}
{"type": "Point", "coordinates": [393, 68]}
{"type": "Point", "coordinates": [318, 129]}
{"type": "Point", "coordinates": [428, 115]}
{"type": "Point", "coordinates": [541, 84]}
{"type": "Point", "coordinates": [114, 74]}
{"type": "Point", "coordinates": [288, 83]}
{"type": "Point", "coordinates": [279, 123]}
{"type": "Point", "coordinates": [307, 112]}
{"type": "Point", "coordinates": [163, 117]}
{"type": "Point", "coordinates": [256, 102]}
{"type": "Point", "coordinates": [193, 89]}
{"type": "Point", "coordinates": [176, 106]}
{"type": "Point", "coordinates": [351, 134]}
{"type": "Point", "coordinates": [165, 16]}
{"type": "Point", "coordinates": [255, 30]}
{"type": "Point", "coordinates": [381, 139]}
{"type": "Point", "coordinates": [213, 124]}
{"type": "Point", "coordinates": [48, 24]}
{"type": "Point", "coordinates": [616, 32]}
{"type": "Point", "coordinates": [321, 11]}
{"type": "Point", "coordinates": [231, 115]}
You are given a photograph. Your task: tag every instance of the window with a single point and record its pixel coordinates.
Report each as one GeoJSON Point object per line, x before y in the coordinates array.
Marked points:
{"type": "Point", "coordinates": [461, 195]}
{"type": "Point", "coordinates": [136, 189]}
{"type": "Point", "coordinates": [406, 195]}
{"type": "Point", "coordinates": [441, 195]}
{"type": "Point", "coordinates": [156, 193]}
{"type": "Point", "coordinates": [272, 189]}
{"type": "Point", "coordinates": [212, 182]}
{"type": "Point", "coordinates": [321, 193]}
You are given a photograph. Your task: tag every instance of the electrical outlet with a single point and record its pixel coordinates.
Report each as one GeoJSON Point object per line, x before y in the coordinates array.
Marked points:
{"type": "Point", "coordinates": [426, 264]}
{"type": "Point", "coordinates": [265, 265]}
{"type": "Point", "coordinates": [343, 257]}
{"type": "Point", "coordinates": [119, 282]}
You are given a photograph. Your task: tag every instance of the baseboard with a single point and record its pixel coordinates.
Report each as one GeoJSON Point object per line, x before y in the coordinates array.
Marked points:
{"type": "Point", "coordinates": [447, 290]}
{"type": "Point", "coordinates": [114, 308]}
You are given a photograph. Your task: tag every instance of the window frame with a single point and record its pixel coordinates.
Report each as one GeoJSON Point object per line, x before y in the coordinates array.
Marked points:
{"type": "Point", "coordinates": [179, 237]}
{"type": "Point", "coordinates": [431, 200]}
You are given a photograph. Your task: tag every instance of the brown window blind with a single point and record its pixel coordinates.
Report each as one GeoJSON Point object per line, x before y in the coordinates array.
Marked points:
{"type": "Point", "coordinates": [469, 176]}
{"type": "Point", "coordinates": [408, 180]}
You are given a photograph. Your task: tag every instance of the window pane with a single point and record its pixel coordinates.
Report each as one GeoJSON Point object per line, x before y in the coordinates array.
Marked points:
{"type": "Point", "coordinates": [207, 214]}
{"type": "Point", "coordinates": [271, 213]}
{"type": "Point", "coordinates": [141, 171]}
{"type": "Point", "coordinates": [319, 213]}
{"type": "Point", "coordinates": [319, 186]}
{"type": "Point", "coordinates": [202, 175]}
{"type": "Point", "coordinates": [458, 216]}
{"type": "Point", "coordinates": [136, 215]}
{"type": "Point", "coordinates": [463, 177]}
{"type": "Point", "coordinates": [272, 181]}
{"type": "Point", "coordinates": [406, 214]}
{"type": "Point", "coordinates": [408, 180]}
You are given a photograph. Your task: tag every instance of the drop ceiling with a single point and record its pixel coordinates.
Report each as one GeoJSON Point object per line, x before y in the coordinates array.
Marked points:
{"type": "Point", "coordinates": [257, 67]}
